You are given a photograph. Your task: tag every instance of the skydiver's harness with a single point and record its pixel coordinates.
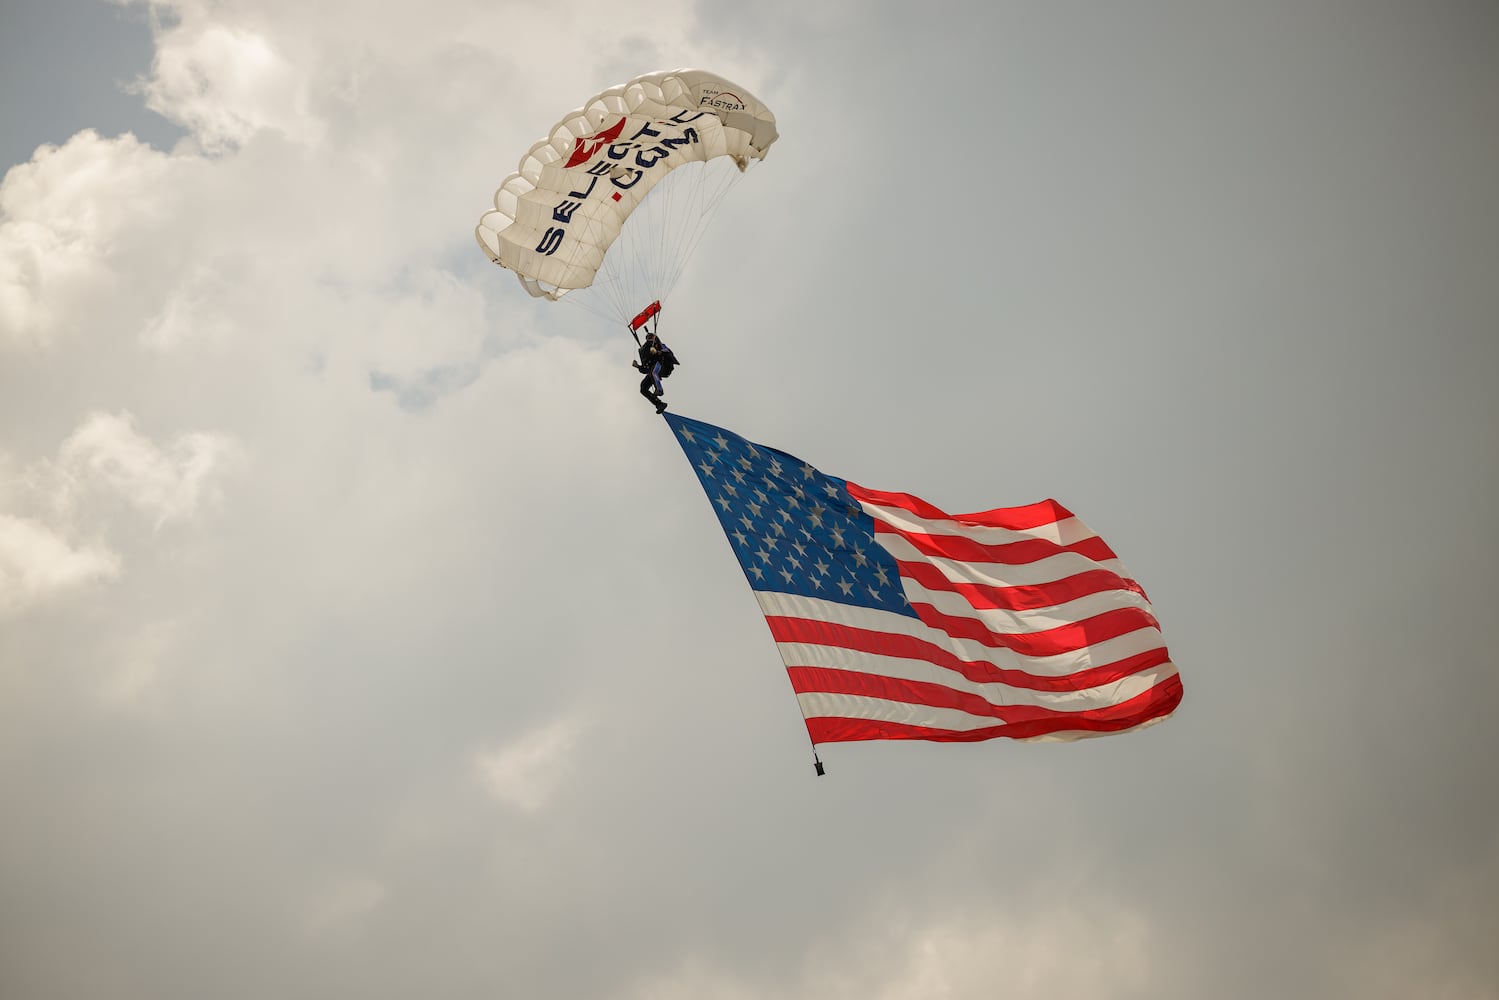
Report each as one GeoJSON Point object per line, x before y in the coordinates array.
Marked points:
{"type": "Point", "coordinates": [657, 362]}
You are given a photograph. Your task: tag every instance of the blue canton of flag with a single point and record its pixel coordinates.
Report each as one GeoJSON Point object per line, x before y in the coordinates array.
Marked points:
{"type": "Point", "coordinates": [795, 530]}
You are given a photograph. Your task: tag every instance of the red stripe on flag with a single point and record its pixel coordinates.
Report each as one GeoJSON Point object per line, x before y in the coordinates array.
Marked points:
{"type": "Point", "coordinates": [1029, 550]}
{"type": "Point", "coordinates": [1024, 518]}
{"type": "Point", "coordinates": [1159, 702]}
{"type": "Point", "coordinates": [907, 647]}
{"type": "Point", "coordinates": [1021, 597]}
{"type": "Point", "coordinates": [825, 680]}
{"type": "Point", "coordinates": [1068, 638]}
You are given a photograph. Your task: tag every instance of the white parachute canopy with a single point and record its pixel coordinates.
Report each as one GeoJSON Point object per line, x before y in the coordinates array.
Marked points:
{"type": "Point", "coordinates": [619, 193]}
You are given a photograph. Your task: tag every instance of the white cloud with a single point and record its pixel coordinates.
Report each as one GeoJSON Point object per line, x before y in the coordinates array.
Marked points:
{"type": "Point", "coordinates": [37, 563]}
{"type": "Point", "coordinates": [226, 71]}
{"type": "Point", "coordinates": [526, 773]}
{"type": "Point", "coordinates": [225, 83]}
{"type": "Point", "coordinates": [166, 484]}
{"type": "Point", "coordinates": [450, 315]}
{"type": "Point", "coordinates": [385, 141]}
{"type": "Point", "coordinates": [343, 905]}
{"type": "Point", "coordinates": [194, 310]}
{"type": "Point", "coordinates": [53, 503]}
{"type": "Point", "coordinates": [65, 219]}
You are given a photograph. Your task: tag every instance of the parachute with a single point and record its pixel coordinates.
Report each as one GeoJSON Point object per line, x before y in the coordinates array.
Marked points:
{"type": "Point", "coordinates": [616, 197]}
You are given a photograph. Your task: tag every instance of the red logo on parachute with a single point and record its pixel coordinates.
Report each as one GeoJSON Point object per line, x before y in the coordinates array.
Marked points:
{"type": "Point", "coordinates": [589, 144]}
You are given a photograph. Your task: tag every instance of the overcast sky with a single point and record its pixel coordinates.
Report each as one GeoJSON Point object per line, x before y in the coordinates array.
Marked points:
{"type": "Point", "coordinates": [363, 634]}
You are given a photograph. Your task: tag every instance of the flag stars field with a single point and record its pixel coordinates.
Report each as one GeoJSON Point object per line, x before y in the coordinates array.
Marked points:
{"type": "Point", "coordinates": [761, 517]}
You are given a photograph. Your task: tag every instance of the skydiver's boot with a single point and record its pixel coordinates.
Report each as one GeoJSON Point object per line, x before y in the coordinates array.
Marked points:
{"type": "Point", "coordinates": [660, 406]}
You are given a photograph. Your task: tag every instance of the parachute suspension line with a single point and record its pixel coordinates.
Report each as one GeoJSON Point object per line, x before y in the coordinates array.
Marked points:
{"type": "Point", "coordinates": [650, 254]}
{"type": "Point", "coordinates": [657, 234]}
{"type": "Point", "coordinates": [708, 202]}
{"type": "Point", "coordinates": [628, 262]}
{"type": "Point", "coordinates": [651, 250]}
{"type": "Point", "coordinates": [620, 276]}
{"type": "Point", "coordinates": [687, 215]}
{"type": "Point", "coordinates": [612, 291]}
{"type": "Point", "coordinates": [660, 231]}
{"type": "Point", "coordinates": [590, 300]}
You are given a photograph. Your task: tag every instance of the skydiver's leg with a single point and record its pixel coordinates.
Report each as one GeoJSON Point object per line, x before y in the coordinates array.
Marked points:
{"type": "Point", "coordinates": [656, 378]}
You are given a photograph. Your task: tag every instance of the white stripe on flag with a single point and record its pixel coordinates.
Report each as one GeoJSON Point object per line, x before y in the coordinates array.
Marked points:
{"type": "Point", "coordinates": [1099, 654]}
{"type": "Point", "coordinates": [805, 654]}
{"type": "Point", "coordinates": [1000, 574]}
{"type": "Point", "coordinates": [1000, 621]}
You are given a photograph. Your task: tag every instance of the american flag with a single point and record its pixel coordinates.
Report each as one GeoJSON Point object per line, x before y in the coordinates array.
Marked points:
{"type": "Point", "coordinates": [897, 621]}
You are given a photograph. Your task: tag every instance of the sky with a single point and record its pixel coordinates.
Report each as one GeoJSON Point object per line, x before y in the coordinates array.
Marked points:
{"type": "Point", "coordinates": [364, 634]}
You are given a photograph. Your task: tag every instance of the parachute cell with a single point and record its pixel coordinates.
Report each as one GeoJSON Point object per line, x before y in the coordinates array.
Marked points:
{"type": "Point", "coordinates": [622, 188]}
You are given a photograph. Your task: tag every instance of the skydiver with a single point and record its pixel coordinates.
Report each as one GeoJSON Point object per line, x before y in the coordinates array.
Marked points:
{"type": "Point", "coordinates": [657, 361]}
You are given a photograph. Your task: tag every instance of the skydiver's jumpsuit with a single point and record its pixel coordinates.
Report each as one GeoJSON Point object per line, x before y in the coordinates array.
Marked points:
{"type": "Point", "coordinates": [657, 362]}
